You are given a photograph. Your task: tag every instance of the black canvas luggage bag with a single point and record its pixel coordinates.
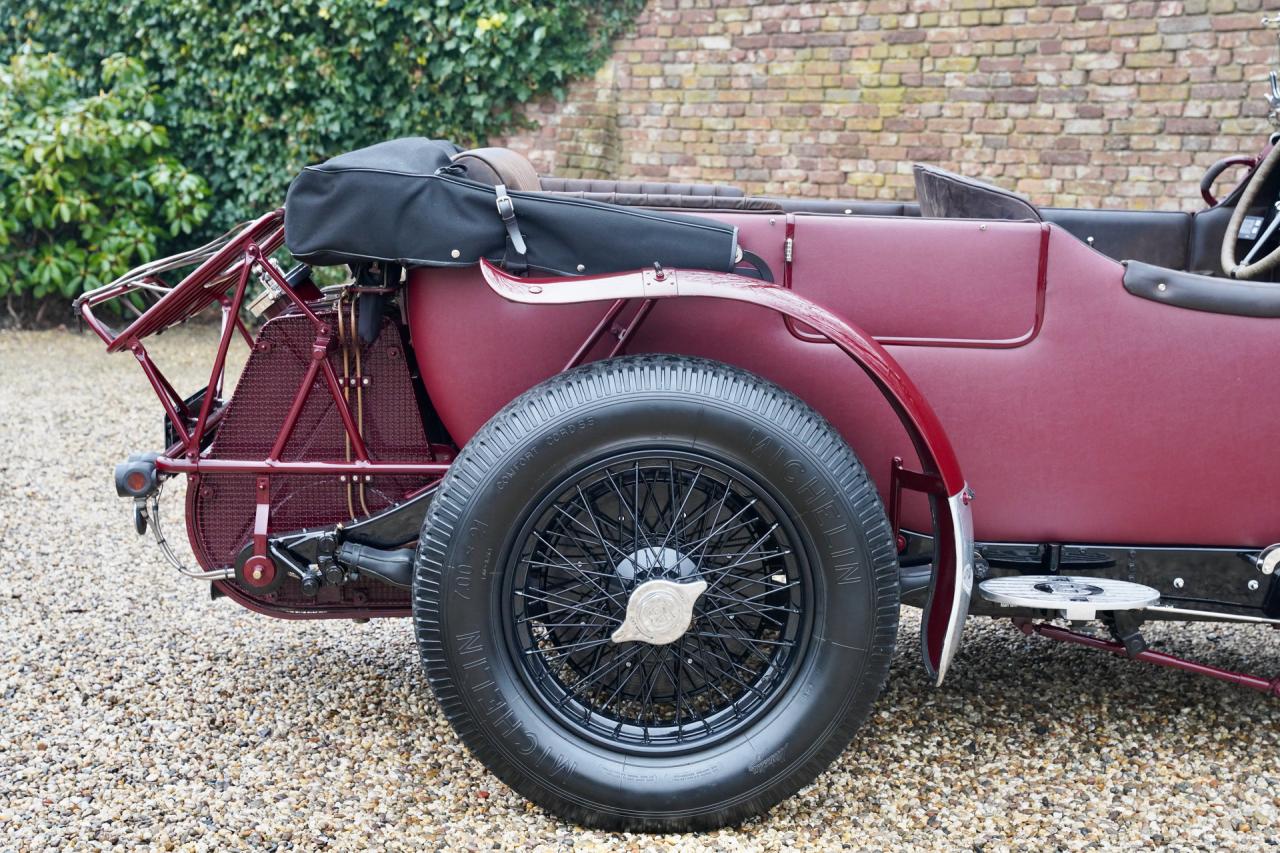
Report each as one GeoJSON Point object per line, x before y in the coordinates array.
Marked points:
{"type": "Point", "coordinates": [402, 201]}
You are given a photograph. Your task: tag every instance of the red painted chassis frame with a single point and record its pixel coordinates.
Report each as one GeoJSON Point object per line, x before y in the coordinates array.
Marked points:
{"type": "Point", "coordinates": [208, 283]}
{"type": "Point", "coordinates": [250, 249]}
{"type": "Point", "coordinates": [230, 269]}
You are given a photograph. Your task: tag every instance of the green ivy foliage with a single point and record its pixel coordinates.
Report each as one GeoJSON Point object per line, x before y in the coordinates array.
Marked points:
{"type": "Point", "coordinates": [257, 89]}
{"type": "Point", "coordinates": [87, 187]}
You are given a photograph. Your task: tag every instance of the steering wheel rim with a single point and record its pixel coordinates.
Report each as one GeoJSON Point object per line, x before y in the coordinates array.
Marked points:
{"type": "Point", "coordinates": [1230, 266]}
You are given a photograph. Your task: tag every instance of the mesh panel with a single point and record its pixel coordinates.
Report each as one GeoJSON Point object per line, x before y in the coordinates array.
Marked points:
{"type": "Point", "coordinates": [221, 508]}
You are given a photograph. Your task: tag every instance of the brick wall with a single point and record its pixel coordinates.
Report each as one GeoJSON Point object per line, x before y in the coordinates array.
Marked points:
{"type": "Point", "coordinates": [1074, 103]}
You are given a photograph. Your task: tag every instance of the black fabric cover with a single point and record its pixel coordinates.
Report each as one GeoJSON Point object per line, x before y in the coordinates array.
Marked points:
{"type": "Point", "coordinates": [392, 202]}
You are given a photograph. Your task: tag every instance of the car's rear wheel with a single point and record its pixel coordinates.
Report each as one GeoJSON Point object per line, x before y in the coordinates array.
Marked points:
{"type": "Point", "coordinates": [656, 593]}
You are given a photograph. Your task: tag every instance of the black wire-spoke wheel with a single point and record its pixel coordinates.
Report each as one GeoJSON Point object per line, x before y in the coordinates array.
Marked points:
{"type": "Point", "coordinates": [656, 593]}
{"type": "Point", "coordinates": [585, 561]}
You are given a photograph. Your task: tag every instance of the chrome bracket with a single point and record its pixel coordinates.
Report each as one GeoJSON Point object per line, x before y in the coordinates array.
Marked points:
{"type": "Point", "coordinates": [1268, 559]}
{"type": "Point", "coordinates": [271, 292]}
{"type": "Point", "coordinates": [151, 519]}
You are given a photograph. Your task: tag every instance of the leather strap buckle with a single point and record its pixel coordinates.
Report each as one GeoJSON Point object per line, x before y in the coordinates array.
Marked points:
{"type": "Point", "coordinates": [507, 210]}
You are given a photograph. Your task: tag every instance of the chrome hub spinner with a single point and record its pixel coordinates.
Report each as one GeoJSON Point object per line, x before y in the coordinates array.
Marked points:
{"type": "Point", "coordinates": [659, 612]}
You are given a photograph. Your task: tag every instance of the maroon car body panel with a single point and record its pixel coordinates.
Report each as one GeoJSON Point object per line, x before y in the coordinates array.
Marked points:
{"type": "Point", "coordinates": [1080, 413]}
{"type": "Point", "coordinates": [936, 299]}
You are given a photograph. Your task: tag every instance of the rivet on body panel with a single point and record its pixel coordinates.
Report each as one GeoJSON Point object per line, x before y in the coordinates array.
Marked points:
{"type": "Point", "coordinates": [1162, 287]}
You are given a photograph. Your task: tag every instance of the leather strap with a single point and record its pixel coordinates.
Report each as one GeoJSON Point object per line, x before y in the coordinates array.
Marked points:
{"type": "Point", "coordinates": [515, 240]}
{"type": "Point", "coordinates": [762, 269]}
{"type": "Point", "coordinates": [507, 210]}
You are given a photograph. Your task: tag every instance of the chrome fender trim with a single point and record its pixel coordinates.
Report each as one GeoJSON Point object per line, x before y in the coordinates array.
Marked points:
{"type": "Point", "coordinates": [938, 648]}
{"type": "Point", "coordinates": [952, 581]}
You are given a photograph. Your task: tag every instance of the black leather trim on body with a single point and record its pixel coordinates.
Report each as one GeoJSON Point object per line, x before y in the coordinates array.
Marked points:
{"type": "Point", "coordinates": [1208, 230]}
{"type": "Point", "coordinates": [1202, 292]}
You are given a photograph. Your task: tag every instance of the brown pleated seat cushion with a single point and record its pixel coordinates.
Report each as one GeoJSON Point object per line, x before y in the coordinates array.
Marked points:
{"type": "Point", "coordinates": [552, 184]}
{"type": "Point", "coordinates": [685, 202]}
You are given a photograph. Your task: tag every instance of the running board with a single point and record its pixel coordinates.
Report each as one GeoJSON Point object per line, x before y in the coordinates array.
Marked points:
{"type": "Point", "coordinates": [1073, 598]}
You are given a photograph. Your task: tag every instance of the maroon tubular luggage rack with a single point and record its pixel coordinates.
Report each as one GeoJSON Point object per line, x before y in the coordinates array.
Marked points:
{"type": "Point", "coordinates": [225, 269]}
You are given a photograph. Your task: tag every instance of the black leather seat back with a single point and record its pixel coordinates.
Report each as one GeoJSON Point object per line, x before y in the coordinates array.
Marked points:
{"type": "Point", "coordinates": [1159, 237]}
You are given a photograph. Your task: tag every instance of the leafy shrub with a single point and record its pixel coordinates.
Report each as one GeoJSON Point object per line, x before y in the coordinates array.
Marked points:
{"type": "Point", "coordinates": [258, 89]}
{"type": "Point", "coordinates": [87, 189]}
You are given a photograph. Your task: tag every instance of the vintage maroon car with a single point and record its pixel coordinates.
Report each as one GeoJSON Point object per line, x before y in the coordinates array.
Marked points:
{"type": "Point", "coordinates": [652, 466]}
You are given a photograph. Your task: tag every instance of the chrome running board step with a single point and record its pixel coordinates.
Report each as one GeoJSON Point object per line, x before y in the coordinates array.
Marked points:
{"type": "Point", "coordinates": [1074, 598]}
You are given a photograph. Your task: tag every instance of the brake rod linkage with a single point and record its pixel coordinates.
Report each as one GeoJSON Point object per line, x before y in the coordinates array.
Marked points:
{"type": "Point", "coordinates": [1064, 635]}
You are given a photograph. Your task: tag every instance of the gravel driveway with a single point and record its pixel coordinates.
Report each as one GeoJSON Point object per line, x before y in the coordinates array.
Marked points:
{"type": "Point", "coordinates": [134, 711]}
